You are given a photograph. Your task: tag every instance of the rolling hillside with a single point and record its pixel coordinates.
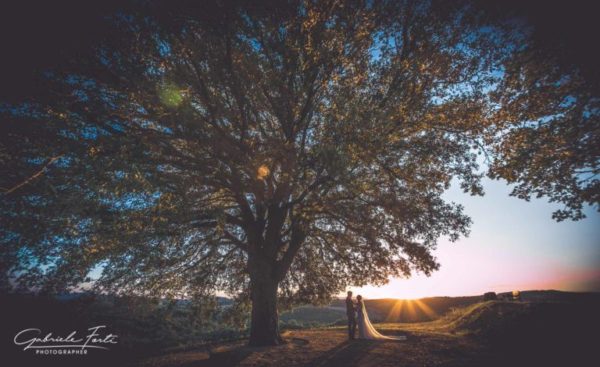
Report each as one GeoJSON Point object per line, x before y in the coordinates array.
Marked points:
{"type": "Point", "coordinates": [545, 326]}
{"type": "Point", "coordinates": [421, 310]}
{"type": "Point", "coordinates": [555, 332]}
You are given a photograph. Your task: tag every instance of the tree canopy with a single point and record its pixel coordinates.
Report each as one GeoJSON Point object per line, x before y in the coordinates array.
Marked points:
{"type": "Point", "coordinates": [305, 145]}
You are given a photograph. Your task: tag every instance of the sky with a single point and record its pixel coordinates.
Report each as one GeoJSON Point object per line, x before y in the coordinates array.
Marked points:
{"type": "Point", "coordinates": [513, 245]}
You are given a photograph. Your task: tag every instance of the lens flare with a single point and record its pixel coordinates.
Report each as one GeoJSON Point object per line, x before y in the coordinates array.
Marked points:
{"type": "Point", "coordinates": [170, 95]}
{"type": "Point", "coordinates": [262, 172]}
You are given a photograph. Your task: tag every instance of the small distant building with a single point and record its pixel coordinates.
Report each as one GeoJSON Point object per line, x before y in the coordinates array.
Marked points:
{"type": "Point", "coordinates": [516, 295]}
{"type": "Point", "coordinates": [490, 296]}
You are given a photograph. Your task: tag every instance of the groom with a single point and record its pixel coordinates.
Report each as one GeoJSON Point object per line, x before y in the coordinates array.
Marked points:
{"type": "Point", "coordinates": [351, 313]}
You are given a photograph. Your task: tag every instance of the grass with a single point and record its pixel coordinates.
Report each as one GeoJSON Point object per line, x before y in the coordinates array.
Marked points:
{"type": "Point", "coordinates": [546, 328]}
{"type": "Point", "coordinates": [494, 333]}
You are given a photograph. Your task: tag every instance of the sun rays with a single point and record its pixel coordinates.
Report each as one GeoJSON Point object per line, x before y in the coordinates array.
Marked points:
{"type": "Point", "coordinates": [426, 309]}
{"type": "Point", "coordinates": [409, 310]}
{"type": "Point", "coordinates": [395, 311]}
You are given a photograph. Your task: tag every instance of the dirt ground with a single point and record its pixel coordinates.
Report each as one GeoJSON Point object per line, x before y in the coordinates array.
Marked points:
{"type": "Point", "coordinates": [486, 334]}
{"type": "Point", "coordinates": [330, 347]}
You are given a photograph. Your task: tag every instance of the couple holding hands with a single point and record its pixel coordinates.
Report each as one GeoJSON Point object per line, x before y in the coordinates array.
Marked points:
{"type": "Point", "coordinates": [358, 316]}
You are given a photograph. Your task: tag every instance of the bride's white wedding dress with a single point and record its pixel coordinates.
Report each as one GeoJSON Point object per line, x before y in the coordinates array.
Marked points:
{"type": "Point", "coordinates": [366, 329]}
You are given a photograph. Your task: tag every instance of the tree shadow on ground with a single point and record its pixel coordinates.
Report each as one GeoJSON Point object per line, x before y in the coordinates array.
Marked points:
{"type": "Point", "coordinates": [231, 357]}
{"type": "Point", "coordinates": [347, 354]}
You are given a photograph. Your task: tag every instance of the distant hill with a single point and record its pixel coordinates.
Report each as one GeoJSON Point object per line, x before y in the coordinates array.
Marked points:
{"type": "Point", "coordinates": [154, 324]}
{"type": "Point", "coordinates": [424, 309]}
{"type": "Point", "coordinates": [420, 310]}
{"type": "Point", "coordinates": [72, 296]}
{"type": "Point", "coordinates": [144, 325]}
{"type": "Point", "coordinates": [147, 326]}
{"type": "Point", "coordinates": [549, 329]}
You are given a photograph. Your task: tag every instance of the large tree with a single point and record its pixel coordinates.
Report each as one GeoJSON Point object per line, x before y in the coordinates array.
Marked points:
{"type": "Point", "coordinates": [547, 124]}
{"type": "Point", "coordinates": [278, 153]}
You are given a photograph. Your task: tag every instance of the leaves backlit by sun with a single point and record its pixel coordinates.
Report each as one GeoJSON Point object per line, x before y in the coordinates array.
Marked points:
{"type": "Point", "coordinates": [262, 172]}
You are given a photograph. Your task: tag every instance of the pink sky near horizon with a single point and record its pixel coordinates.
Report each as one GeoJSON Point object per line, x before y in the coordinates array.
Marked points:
{"type": "Point", "coordinates": [513, 245]}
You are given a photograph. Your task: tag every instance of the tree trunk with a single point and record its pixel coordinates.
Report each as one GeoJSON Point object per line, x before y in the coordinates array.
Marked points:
{"type": "Point", "coordinates": [264, 325]}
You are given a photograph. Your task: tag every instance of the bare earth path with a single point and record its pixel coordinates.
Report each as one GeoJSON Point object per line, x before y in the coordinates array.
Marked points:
{"type": "Point", "coordinates": [484, 334]}
{"type": "Point", "coordinates": [330, 347]}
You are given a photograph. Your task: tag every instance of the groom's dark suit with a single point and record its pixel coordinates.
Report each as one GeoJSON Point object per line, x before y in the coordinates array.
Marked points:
{"type": "Point", "coordinates": [351, 313]}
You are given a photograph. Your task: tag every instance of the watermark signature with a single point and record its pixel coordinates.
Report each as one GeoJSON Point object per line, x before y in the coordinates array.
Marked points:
{"type": "Point", "coordinates": [71, 344]}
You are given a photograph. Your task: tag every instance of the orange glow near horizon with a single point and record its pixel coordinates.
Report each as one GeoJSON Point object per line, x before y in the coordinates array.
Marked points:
{"type": "Point", "coordinates": [407, 310]}
{"type": "Point", "coordinates": [455, 283]}
{"type": "Point", "coordinates": [513, 245]}
{"type": "Point", "coordinates": [395, 311]}
{"type": "Point", "coordinates": [426, 309]}
{"type": "Point", "coordinates": [459, 278]}
{"type": "Point", "coordinates": [410, 307]}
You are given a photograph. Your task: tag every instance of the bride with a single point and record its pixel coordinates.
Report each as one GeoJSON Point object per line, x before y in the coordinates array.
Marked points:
{"type": "Point", "coordinates": [365, 328]}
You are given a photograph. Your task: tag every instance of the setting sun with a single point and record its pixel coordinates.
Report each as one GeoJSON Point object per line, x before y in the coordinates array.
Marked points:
{"type": "Point", "coordinates": [299, 183]}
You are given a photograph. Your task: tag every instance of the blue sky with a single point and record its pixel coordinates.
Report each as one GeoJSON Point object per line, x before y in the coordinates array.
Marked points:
{"type": "Point", "coordinates": [513, 245]}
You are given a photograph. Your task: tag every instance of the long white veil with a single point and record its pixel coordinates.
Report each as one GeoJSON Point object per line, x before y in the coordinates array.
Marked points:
{"type": "Point", "coordinates": [369, 331]}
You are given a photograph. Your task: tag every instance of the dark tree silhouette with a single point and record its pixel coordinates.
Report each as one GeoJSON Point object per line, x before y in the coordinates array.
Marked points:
{"type": "Point", "coordinates": [275, 152]}
{"type": "Point", "coordinates": [548, 141]}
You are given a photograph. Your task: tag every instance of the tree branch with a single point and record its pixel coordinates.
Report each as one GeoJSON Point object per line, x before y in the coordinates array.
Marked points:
{"type": "Point", "coordinates": [33, 177]}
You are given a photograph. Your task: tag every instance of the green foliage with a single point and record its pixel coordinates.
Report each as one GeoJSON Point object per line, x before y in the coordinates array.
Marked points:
{"type": "Point", "coordinates": [307, 144]}
{"type": "Point", "coordinates": [142, 324]}
{"type": "Point", "coordinates": [551, 144]}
